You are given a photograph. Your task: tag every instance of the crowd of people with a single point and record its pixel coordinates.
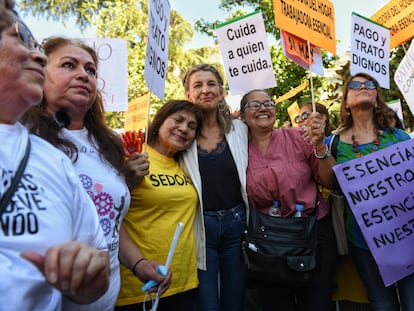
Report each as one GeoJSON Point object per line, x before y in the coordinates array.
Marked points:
{"type": "Point", "coordinates": [86, 227]}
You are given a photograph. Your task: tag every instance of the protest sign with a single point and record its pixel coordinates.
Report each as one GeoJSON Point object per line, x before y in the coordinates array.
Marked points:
{"type": "Point", "coordinates": [156, 57]}
{"type": "Point", "coordinates": [112, 80]}
{"type": "Point", "coordinates": [396, 106]}
{"type": "Point", "coordinates": [292, 92]}
{"type": "Point", "coordinates": [404, 77]}
{"type": "Point", "coordinates": [311, 20]}
{"type": "Point", "coordinates": [136, 117]}
{"type": "Point", "coordinates": [297, 50]}
{"type": "Point", "coordinates": [370, 49]}
{"type": "Point", "coordinates": [245, 53]}
{"type": "Point", "coordinates": [379, 189]}
{"type": "Point", "coordinates": [398, 16]}
{"type": "Point", "coordinates": [293, 111]}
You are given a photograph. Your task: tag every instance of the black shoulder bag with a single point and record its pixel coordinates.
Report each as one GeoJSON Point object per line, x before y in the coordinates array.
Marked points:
{"type": "Point", "coordinates": [5, 199]}
{"type": "Point", "coordinates": [281, 250]}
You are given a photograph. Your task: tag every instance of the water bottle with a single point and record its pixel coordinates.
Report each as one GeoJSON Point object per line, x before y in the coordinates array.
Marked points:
{"type": "Point", "coordinates": [275, 209]}
{"type": "Point", "coordinates": [298, 210]}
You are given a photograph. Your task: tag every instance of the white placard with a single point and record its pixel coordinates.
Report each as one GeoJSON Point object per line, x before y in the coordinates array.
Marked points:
{"type": "Point", "coordinates": [245, 54]}
{"type": "Point", "coordinates": [404, 77]}
{"type": "Point", "coordinates": [112, 71]}
{"type": "Point", "coordinates": [156, 59]}
{"type": "Point", "coordinates": [370, 49]}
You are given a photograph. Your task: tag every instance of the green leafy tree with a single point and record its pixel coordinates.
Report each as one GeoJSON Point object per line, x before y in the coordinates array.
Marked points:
{"type": "Point", "coordinates": [328, 90]}
{"type": "Point", "coordinates": [61, 10]}
{"type": "Point", "coordinates": [129, 19]}
{"type": "Point", "coordinates": [288, 73]}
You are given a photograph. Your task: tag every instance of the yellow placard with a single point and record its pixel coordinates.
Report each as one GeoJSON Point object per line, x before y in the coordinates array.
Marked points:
{"type": "Point", "coordinates": [136, 117]}
{"type": "Point", "coordinates": [293, 111]}
{"type": "Point", "coordinates": [292, 92]}
{"type": "Point", "coordinates": [398, 16]}
{"type": "Point", "coordinates": [311, 20]}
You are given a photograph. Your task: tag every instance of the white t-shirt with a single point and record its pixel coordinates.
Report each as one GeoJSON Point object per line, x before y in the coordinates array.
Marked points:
{"type": "Point", "coordinates": [49, 207]}
{"type": "Point", "coordinates": [111, 197]}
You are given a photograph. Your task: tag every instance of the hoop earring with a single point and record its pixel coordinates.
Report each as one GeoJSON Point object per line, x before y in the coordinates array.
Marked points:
{"type": "Point", "coordinates": [221, 106]}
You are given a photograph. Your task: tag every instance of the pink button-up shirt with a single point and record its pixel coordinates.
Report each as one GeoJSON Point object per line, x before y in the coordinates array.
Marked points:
{"type": "Point", "coordinates": [288, 172]}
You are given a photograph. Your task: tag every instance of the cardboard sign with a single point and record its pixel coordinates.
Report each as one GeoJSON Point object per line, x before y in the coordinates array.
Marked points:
{"type": "Point", "coordinates": [136, 117]}
{"type": "Point", "coordinates": [293, 92]}
{"type": "Point", "coordinates": [398, 15]}
{"type": "Point", "coordinates": [112, 80]}
{"type": "Point", "coordinates": [297, 50]}
{"type": "Point", "coordinates": [245, 53]}
{"type": "Point", "coordinates": [156, 59]}
{"type": "Point", "coordinates": [379, 190]}
{"type": "Point", "coordinates": [293, 111]}
{"type": "Point", "coordinates": [396, 106]}
{"type": "Point", "coordinates": [312, 20]}
{"type": "Point", "coordinates": [370, 49]}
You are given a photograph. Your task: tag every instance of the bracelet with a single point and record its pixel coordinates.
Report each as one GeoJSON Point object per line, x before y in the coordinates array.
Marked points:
{"type": "Point", "coordinates": [324, 156]}
{"type": "Point", "coordinates": [320, 147]}
{"type": "Point", "coordinates": [136, 264]}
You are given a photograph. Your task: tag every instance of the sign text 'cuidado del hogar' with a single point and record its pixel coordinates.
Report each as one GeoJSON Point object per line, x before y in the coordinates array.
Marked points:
{"type": "Point", "coordinates": [311, 20]}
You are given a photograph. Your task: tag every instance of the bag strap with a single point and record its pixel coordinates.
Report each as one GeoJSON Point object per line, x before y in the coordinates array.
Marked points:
{"type": "Point", "coordinates": [5, 199]}
{"type": "Point", "coordinates": [333, 145]}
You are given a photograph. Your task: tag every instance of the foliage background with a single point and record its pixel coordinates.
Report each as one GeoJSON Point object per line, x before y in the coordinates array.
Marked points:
{"type": "Point", "coordinates": [128, 19]}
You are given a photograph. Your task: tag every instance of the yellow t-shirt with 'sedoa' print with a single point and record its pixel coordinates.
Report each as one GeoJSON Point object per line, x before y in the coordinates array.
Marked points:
{"type": "Point", "coordinates": [165, 197]}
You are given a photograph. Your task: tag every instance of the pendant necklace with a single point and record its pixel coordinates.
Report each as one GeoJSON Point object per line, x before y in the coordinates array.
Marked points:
{"type": "Point", "coordinates": [357, 150]}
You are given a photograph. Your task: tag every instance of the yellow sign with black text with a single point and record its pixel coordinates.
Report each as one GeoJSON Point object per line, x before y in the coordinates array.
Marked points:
{"type": "Point", "coordinates": [398, 16]}
{"type": "Point", "coordinates": [136, 117]}
{"type": "Point", "coordinates": [311, 20]}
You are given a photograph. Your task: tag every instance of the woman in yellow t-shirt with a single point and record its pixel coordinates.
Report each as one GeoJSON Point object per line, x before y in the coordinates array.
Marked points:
{"type": "Point", "coordinates": [165, 196]}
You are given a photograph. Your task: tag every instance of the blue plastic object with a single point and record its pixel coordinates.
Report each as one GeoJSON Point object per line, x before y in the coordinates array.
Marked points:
{"type": "Point", "coordinates": [151, 283]}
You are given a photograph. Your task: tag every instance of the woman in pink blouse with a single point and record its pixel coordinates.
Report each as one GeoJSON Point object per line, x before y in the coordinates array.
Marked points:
{"type": "Point", "coordinates": [282, 167]}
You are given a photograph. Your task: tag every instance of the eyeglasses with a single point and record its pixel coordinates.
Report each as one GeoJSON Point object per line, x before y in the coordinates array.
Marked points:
{"type": "Point", "coordinates": [356, 85]}
{"type": "Point", "coordinates": [254, 104]}
{"type": "Point", "coordinates": [26, 36]}
{"type": "Point", "coordinates": [302, 117]}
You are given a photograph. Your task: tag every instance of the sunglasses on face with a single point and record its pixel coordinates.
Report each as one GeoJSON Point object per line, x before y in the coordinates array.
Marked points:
{"type": "Point", "coordinates": [254, 104]}
{"type": "Point", "coordinates": [302, 117]}
{"type": "Point", "coordinates": [26, 37]}
{"type": "Point", "coordinates": [356, 85]}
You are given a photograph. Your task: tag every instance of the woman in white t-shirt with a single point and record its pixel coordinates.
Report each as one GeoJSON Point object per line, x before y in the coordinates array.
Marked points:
{"type": "Point", "coordinates": [51, 246]}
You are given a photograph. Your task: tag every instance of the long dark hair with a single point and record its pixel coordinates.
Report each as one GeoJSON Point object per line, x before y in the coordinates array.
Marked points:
{"type": "Point", "coordinates": [380, 113]}
{"type": "Point", "coordinates": [40, 122]}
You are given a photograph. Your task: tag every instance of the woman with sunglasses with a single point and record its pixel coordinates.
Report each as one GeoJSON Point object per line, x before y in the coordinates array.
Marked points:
{"type": "Point", "coordinates": [52, 248]}
{"type": "Point", "coordinates": [365, 128]}
{"type": "Point", "coordinates": [282, 167]}
{"type": "Point", "coordinates": [303, 118]}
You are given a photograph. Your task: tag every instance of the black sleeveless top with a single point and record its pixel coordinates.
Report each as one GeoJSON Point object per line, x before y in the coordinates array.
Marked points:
{"type": "Point", "coordinates": [219, 178]}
